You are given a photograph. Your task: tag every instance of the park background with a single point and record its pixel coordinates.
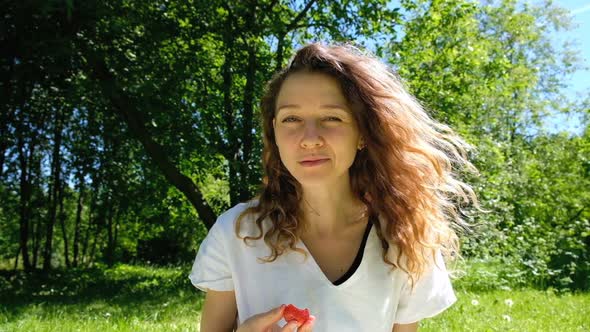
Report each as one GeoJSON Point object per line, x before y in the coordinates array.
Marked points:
{"type": "Point", "coordinates": [127, 126]}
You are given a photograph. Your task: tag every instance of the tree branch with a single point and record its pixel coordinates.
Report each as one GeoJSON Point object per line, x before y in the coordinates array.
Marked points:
{"type": "Point", "coordinates": [281, 37]}
{"type": "Point", "coordinates": [572, 219]}
{"type": "Point", "coordinates": [316, 24]}
{"type": "Point", "coordinates": [247, 119]}
{"type": "Point", "coordinates": [298, 18]}
{"type": "Point", "coordinates": [126, 108]}
{"type": "Point", "coordinates": [268, 9]}
{"type": "Point", "coordinates": [228, 40]}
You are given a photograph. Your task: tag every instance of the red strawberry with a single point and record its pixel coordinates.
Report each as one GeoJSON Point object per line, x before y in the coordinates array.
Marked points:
{"type": "Point", "coordinates": [293, 313]}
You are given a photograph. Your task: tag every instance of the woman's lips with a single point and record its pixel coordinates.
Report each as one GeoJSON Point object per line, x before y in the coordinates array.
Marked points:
{"type": "Point", "coordinates": [313, 163]}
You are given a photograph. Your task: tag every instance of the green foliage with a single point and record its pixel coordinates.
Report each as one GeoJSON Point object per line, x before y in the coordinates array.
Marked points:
{"type": "Point", "coordinates": [491, 72]}
{"type": "Point", "coordinates": [152, 96]}
{"type": "Point", "coordinates": [154, 101]}
{"type": "Point", "coordinates": [485, 275]}
{"type": "Point", "coordinates": [539, 220]}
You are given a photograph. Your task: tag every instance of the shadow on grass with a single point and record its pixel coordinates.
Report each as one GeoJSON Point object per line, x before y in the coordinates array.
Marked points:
{"type": "Point", "coordinates": [130, 290]}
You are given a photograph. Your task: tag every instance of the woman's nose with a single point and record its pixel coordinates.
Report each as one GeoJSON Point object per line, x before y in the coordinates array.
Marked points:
{"type": "Point", "coordinates": [312, 136]}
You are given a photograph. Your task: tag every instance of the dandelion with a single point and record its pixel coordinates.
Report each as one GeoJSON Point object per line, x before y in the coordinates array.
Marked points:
{"type": "Point", "coordinates": [509, 302]}
{"type": "Point", "coordinates": [506, 318]}
{"type": "Point", "coordinates": [107, 315]}
{"type": "Point", "coordinates": [474, 302]}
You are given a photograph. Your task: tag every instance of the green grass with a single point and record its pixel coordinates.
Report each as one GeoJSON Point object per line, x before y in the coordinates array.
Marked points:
{"type": "Point", "coordinates": [133, 298]}
{"type": "Point", "coordinates": [532, 310]}
{"type": "Point", "coordinates": [125, 298]}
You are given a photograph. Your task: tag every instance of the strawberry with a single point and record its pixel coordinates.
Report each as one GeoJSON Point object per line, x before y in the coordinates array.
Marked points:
{"type": "Point", "coordinates": [293, 313]}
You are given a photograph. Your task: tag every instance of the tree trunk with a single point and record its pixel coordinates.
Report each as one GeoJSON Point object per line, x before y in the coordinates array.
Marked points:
{"type": "Point", "coordinates": [36, 230]}
{"type": "Point", "coordinates": [231, 152]}
{"type": "Point", "coordinates": [7, 113]}
{"type": "Point", "coordinates": [234, 178]}
{"type": "Point", "coordinates": [4, 134]}
{"type": "Point", "coordinates": [85, 258]}
{"type": "Point", "coordinates": [279, 54]}
{"type": "Point", "coordinates": [97, 230]}
{"type": "Point", "coordinates": [62, 221]}
{"type": "Point", "coordinates": [110, 250]}
{"type": "Point", "coordinates": [248, 123]}
{"type": "Point", "coordinates": [25, 196]}
{"type": "Point", "coordinates": [79, 208]}
{"type": "Point", "coordinates": [36, 235]}
{"type": "Point", "coordinates": [117, 220]}
{"type": "Point", "coordinates": [84, 254]}
{"type": "Point", "coordinates": [56, 170]}
{"type": "Point", "coordinates": [16, 258]}
{"type": "Point", "coordinates": [127, 108]}
{"type": "Point", "coordinates": [92, 220]}
{"type": "Point", "coordinates": [37, 120]}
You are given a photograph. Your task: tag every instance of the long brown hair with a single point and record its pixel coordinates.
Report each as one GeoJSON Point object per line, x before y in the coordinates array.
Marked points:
{"type": "Point", "coordinates": [406, 175]}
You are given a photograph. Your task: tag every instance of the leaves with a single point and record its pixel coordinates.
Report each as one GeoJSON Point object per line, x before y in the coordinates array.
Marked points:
{"type": "Point", "coordinates": [155, 92]}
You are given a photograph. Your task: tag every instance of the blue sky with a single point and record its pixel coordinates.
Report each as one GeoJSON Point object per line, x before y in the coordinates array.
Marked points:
{"type": "Point", "coordinates": [579, 84]}
{"type": "Point", "coordinates": [580, 11]}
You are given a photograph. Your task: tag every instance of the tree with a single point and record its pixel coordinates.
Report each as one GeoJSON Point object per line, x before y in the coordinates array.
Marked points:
{"type": "Point", "coordinates": [491, 72]}
{"type": "Point", "coordinates": [137, 61]}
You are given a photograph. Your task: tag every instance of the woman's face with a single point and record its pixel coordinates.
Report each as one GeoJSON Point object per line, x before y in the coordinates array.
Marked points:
{"type": "Point", "coordinates": [315, 130]}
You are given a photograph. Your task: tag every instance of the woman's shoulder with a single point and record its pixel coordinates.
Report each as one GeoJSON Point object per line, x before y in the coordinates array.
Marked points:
{"type": "Point", "coordinates": [226, 222]}
{"type": "Point", "coordinates": [235, 211]}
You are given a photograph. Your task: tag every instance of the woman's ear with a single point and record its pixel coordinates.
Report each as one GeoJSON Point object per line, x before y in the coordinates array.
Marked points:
{"type": "Point", "coordinates": [361, 144]}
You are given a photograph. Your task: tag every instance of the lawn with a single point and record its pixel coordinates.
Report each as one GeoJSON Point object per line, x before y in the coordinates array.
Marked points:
{"type": "Point", "coordinates": [134, 298]}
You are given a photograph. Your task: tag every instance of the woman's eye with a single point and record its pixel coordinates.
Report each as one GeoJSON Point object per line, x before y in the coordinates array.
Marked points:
{"type": "Point", "coordinates": [332, 118]}
{"type": "Point", "coordinates": [290, 119]}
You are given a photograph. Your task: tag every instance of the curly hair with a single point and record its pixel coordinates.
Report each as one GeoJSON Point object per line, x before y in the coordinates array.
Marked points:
{"type": "Point", "coordinates": [406, 175]}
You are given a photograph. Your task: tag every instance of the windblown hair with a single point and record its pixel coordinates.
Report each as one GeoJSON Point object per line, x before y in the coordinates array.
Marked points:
{"type": "Point", "coordinates": [406, 175]}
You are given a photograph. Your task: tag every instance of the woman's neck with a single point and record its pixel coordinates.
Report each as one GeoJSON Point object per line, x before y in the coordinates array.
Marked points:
{"type": "Point", "coordinates": [328, 211]}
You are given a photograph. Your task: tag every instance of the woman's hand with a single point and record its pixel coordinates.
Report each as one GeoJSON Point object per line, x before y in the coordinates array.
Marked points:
{"type": "Point", "coordinates": [267, 322]}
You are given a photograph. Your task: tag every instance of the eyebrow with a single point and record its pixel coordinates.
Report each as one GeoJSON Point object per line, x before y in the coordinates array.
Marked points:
{"type": "Point", "coordinates": [324, 106]}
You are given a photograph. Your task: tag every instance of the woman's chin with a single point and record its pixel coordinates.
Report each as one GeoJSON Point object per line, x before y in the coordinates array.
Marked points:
{"type": "Point", "coordinates": [318, 180]}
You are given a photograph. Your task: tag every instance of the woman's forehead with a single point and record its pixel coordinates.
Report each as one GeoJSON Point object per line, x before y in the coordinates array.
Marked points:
{"type": "Point", "coordinates": [310, 87]}
{"type": "Point", "coordinates": [328, 107]}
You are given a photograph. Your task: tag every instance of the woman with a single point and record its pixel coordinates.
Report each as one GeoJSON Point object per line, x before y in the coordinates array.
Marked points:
{"type": "Point", "coordinates": [356, 209]}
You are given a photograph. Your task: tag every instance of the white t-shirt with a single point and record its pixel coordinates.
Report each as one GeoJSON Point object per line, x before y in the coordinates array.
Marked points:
{"type": "Point", "coordinates": [372, 299]}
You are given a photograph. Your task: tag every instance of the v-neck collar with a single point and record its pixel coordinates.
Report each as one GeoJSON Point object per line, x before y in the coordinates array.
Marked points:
{"type": "Point", "coordinates": [358, 259]}
{"type": "Point", "coordinates": [312, 264]}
